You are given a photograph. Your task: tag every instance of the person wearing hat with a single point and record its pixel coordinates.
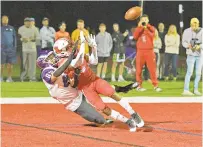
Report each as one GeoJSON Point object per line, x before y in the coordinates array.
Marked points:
{"type": "Point", "coordinates": [38, 40]}
{"type": "Point", "coordinates": [47, 35]}
{"type": "Point", "coordinates": [28, 37]}
{"type": "Point", "coordinates": [192, 41]}
{"type": "Point", "coordinates": [8, 48]}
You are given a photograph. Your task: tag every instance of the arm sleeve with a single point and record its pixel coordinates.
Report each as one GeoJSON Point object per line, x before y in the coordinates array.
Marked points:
{"type": "Point", "coordinates": [138, 32]}
{"type": "Point", "coordinates": [44, 36]}
{"type": "Point", "coordinates": [167, 41]}
{"type": "Point", "coordinates": [37, 35]}
{"type": "Point", "coordinates": [185, 41]}
{"type": "Point", "coordinates": [177, 41]}
{"type": "Point", "coordinates": [151, 31]}
{"type": "Point", "coordinates": [14, 38]}
{"type": "Point", "coordinates": [63, 67]}
{"type": "Point", "coordinates": [73, 36]}
{"type": "Point", "coordinates": [110, 43]}
{"type": "Point", "coordinates": [53, 32]}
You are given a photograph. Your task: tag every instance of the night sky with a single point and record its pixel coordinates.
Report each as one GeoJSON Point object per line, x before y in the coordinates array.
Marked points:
{"type": "Point", "coordinates": [95, 12]}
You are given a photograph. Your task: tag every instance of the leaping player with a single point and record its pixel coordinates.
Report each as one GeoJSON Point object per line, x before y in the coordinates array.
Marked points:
{"type": "Point", "coordinates": [92, 86]}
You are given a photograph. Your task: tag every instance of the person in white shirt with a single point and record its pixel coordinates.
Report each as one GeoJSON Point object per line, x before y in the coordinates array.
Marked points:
{"type": "Point", "coordinates": [47, 35]}
{"type": "Point", "coordinates": [172, 43]}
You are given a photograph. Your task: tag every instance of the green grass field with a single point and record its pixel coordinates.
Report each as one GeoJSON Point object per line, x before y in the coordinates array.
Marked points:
{"type": "Point", "coordinates": [38, 89]}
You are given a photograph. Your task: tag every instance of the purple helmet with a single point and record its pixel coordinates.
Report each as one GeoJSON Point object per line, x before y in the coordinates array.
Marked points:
{"type": "Point", "coordinates": [45, 60]}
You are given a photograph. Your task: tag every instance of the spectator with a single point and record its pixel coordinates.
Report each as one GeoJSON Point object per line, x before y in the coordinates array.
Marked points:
{"type": "Point", "coordinates": [76, 33]}
{"type": "Point", "coordinates": [47, 35]}
{"type": "Point", "coordinates": [192, 41]}
{"type": "Point", "coordinates": [8, 48]}
{"type": "Point", "coordinates": [118, 52]}
{"type": "Point", "coordinates": [62, 32]}
{"type": "Point", "coordinates": [172, 43]}
{"type": "Point", "coordinates": [162, 34]}
{"type": "Point", "coordinates": [104, 46]}
{"type": "Point", "coordinates": [130, 52]}
{"type": "Point", "coordinates": [38, 41]}
{"type": "Point", "coordinates": [157, 47]}
{"type": "Point", "coordinates": [144, 34]}
{"type": "Point", "coordinates": [28, 36]}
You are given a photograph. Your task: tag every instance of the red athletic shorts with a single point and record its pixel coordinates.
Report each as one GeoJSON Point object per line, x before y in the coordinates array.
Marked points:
{"type": "Point", "coordinates": [92, 91]}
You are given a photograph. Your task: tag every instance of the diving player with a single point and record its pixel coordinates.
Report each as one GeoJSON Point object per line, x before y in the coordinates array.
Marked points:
{"type": "Point", "coordinates": [92, 86]}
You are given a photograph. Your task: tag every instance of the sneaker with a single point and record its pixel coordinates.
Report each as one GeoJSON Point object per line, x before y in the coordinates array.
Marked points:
{"type": "Point", "coordinates": [187, 93]}
{"type": "Point", "coordinates": [113, 79]}
{"type": "Point", "coordinates": [138, 120]}
{"type": "Point", "coordinates": [131, 124]}
{"type": "Point", "coordinates": [140, 89]}
{"type": "Point", "coordinates": [196, 92]}
{"type": "Point", "coordinates": [1, 79]}
{"type": "Point", "coordinates": [9, 80]}
{"type": "Point", "coordinates": [157, 89]}
{"type": "Point", "coordinates": [121, 79]}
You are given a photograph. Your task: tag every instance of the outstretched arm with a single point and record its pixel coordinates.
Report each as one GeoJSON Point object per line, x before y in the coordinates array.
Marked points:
{"type": "Point", "coordinates": [65, 65]}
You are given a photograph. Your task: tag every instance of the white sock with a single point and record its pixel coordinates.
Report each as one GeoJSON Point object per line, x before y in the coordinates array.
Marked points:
{"type": "Point", "coordinates": [113, 76]}
{"type": "Point", "coordinates": [126, 106]}
{"type": "Point", "coordinates": [117, 116]}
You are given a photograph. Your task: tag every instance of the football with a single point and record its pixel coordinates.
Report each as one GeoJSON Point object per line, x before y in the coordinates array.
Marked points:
{"type": "Point", "coordinates": [133, 13]}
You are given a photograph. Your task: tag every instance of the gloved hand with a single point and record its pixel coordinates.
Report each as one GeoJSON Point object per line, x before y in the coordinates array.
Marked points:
{"type": "Point", "coordinates": [91, 40]}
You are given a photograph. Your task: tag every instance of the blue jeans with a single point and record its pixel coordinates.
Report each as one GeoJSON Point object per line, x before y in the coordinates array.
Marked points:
{"type": "Point", "coordinates": [168, 57]}
{"type": "Point", "coordinates": [191, 62]}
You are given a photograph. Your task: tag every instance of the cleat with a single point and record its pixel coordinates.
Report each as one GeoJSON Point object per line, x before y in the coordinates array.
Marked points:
{"type": "Point", "coordinates": [157, 89]}
{"type": "Point", "coordinates": [138, 120]}
{"type": "Point", "coordinates": [131, 124]}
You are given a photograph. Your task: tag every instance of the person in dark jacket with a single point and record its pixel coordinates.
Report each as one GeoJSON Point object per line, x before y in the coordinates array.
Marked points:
{"type": "Point", "coordinates": [8, 48]}
{"type": "Point", "coordinates": [118, 52]}
{"type": "Point", "coordinates": [162, 33]}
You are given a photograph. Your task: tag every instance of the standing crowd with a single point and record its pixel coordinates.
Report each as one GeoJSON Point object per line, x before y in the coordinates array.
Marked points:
{"type": "Point", "coordinates": [153, 50]}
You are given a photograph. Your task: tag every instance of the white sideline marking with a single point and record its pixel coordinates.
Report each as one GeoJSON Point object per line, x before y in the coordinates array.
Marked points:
{"type": "Point", "coordinates": [49, 100]}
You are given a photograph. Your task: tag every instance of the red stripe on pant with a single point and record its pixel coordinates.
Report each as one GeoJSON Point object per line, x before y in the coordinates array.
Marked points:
{"type": "Point", "coordinates": [148, 57]}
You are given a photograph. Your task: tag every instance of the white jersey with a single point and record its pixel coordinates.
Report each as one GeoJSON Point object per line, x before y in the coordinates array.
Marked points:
{"type": "Point", "coordinates": [61, 90]}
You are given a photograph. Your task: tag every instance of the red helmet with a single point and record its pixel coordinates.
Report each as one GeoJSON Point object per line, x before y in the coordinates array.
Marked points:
{"type": "Point", "coordinates": [62, 47]}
